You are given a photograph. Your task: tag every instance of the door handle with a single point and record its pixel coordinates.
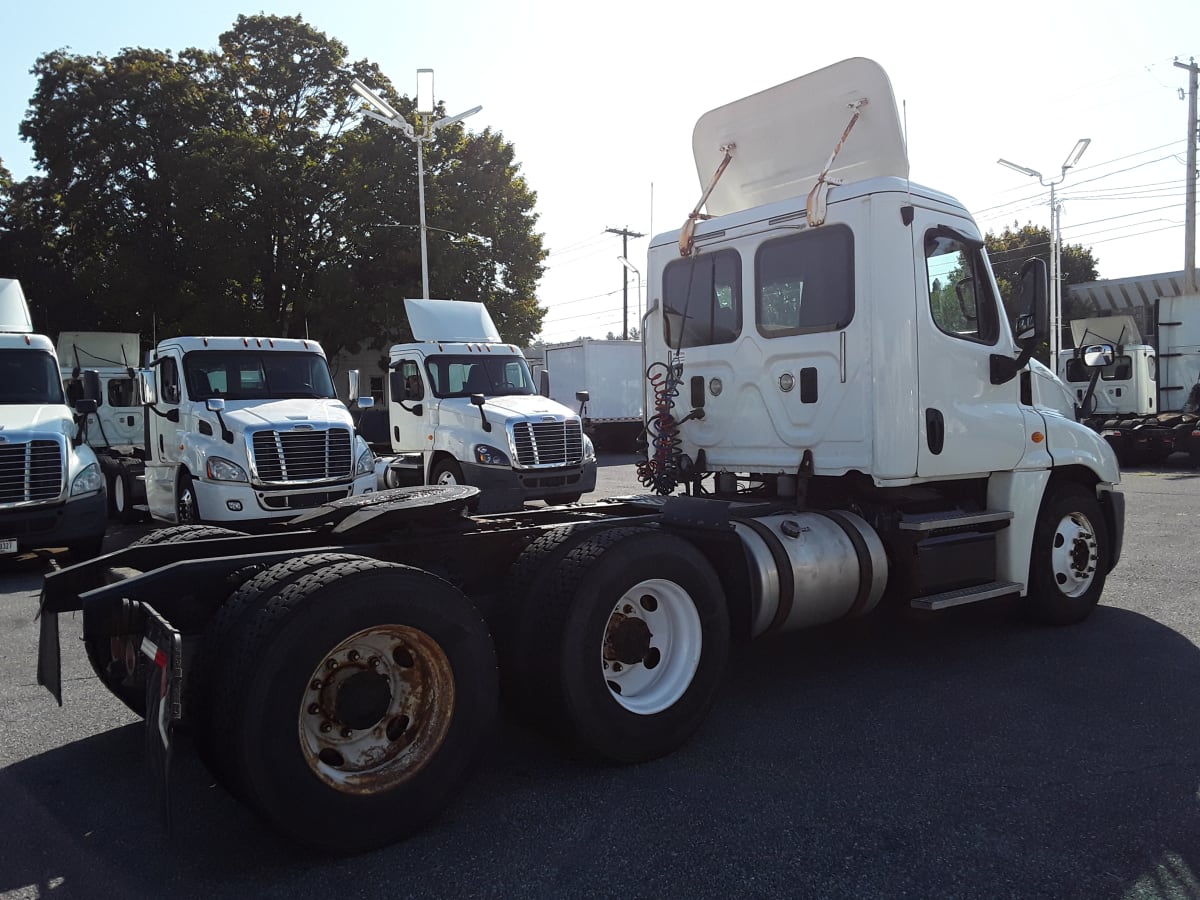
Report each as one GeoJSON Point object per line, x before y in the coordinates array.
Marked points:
{"type": "Point", "coordinates": [935, 430]}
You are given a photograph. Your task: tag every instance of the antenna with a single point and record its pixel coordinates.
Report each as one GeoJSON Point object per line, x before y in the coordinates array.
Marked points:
{"type": "Point", "coordinates": [908, 175]}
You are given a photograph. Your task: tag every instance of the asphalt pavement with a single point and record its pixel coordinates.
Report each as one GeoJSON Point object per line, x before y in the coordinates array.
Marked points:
{"type": "Point", "coordinates": [958, 754]}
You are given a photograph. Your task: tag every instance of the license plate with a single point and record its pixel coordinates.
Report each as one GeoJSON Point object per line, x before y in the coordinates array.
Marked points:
{"type": "Point", "coordinates": [8, 545]}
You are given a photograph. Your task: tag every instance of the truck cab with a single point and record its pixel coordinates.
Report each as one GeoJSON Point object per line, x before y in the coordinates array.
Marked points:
{"type": "Point", "coordinates": [463, 409]}
{"type": "Point", "coordinates": [52, 493]}
{"type": "Point", "coordinates": [831, 331]}
{"type": "Point", "coordinates": [240, 429]}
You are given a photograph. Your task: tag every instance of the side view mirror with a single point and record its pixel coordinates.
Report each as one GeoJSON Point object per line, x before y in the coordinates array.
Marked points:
{"type": "Point", "coordinates": [1098, 356]}
{"type": "Point", "coordinates": [544, 382]}
{"type": "Point", "coordinates": [214, 404]}
{"type": "Point", "coordinates": [91, 385]}
{"type": "Point", "coordinates": [1033, 321]}
{"type": "Point", "coordinates": [352, 393]}
{"type": "Point", "coordinates": [86, 406]}
{"type": "Point", "coordinates": [147, 386]}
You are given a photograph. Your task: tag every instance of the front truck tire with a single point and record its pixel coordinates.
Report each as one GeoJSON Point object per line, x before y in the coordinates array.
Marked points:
{"type": "Point", "coordinates": [365, 692]}
{"type": "Point", "coordinates": [629, 642]}
{"type": "Point", "coordinates": [1071, 550]}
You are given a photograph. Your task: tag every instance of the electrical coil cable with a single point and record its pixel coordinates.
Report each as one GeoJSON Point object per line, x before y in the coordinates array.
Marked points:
{"type": "Point", "coordinates": [660, 470]}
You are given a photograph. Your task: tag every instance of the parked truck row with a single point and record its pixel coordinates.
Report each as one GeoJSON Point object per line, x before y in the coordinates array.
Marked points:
{"type": "Point", "coordinates": [839, 419]}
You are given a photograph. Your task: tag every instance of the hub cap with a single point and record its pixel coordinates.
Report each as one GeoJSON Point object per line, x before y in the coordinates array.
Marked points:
{"type": "Point", "coordinates": [1075, 554]}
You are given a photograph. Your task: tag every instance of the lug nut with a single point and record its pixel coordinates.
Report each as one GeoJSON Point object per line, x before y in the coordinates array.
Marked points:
{"type": "Point", "coordinates": [316, 684]}
{"type": "Point", "coordinates": [326, 728]}
{"type": "Point", "coordinates": [331, 664]}
{"type": "Point", "coordinates": [373, 662]}
{"type": "Point", "coordinates": [347, 732]}
{"type": "Point", "coordinates": [313, 709]}
{"type": "Point", "coordinates": [354, 656]}
{"type": "Point", "coordinates": [616, 667]}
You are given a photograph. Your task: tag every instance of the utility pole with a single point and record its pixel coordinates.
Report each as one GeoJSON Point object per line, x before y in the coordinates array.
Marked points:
{"type": "Point", "coordinates": [625, 234]}
{"type": "Point", "coordinates": [1189, 217]}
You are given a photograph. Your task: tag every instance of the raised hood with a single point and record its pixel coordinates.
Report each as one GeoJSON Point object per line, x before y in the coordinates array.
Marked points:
{"type": "Point", "coordinates": [783, 137]}
{"type": "Point", "coordinates": [451, 321]}
{"type": "Point", "coordinates": [98, 349]}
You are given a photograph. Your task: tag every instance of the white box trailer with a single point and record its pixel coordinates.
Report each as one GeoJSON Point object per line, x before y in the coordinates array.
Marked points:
{"type": "Point", "coordinates": [611, 372]}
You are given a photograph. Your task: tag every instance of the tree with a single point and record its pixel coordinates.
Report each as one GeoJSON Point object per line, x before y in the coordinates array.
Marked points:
{"type": "Point", "coordinates": [1009, 250]}
{"type": "Point", "coordinates": [238, 191]}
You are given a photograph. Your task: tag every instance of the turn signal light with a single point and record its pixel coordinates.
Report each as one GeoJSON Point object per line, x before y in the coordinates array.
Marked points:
{"type": "Point", "coordinates": [1038, 437]}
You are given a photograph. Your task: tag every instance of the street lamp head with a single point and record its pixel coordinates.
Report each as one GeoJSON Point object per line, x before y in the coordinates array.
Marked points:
{"type": "Point", "coordinates": [384, 108]}
{"type": "Point", "coordinates": [425, 92]}
{"type": "Point", "coordinates": [628, 265]}
{"type": "Point", "coordinates": [450, 120]}
{"type": "Point", "coordinates": [1073, 158]}
{"type": "Point", "coordinates": [1022, 169]}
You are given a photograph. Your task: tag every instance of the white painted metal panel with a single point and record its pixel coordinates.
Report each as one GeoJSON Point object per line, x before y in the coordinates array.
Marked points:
{"type": "Point", "coordinates": [450, 320]}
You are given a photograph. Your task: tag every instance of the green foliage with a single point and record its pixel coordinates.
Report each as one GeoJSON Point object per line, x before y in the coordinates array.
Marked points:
{"type": "Point", "coordinates": [237, 191]}
{"type": "Point", "coordinates": [1009, 250]}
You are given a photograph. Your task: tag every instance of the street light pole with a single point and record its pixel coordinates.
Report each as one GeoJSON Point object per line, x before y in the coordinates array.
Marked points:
{"type": "Point", "coordinates": [1055, 242]}
{"type": "Point", "coordinates": [630, 267]}
{"type": "Point", "coordinates": [385, 113]}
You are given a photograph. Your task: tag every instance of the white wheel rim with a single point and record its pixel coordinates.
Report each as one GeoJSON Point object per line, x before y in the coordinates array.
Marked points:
{"type": "Point", "coordinates": [1075, 554]}
{"type": "Point", "coordinates": [119, 493]}
{"type": "Point", "coordinates": [412, 683]}
{"type": "Point", "coordinates": [651, 646]}
{"type": "Point", "coordinates": [446, 477]}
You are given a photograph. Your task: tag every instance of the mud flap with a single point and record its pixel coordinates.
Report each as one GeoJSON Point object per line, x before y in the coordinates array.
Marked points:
{"type": "Point", "coordinates": [49, 664]}
{"type": "Point", "coordinates": [163, 646]}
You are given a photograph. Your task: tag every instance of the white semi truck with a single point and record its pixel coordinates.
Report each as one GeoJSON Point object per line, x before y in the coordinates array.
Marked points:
{"type": "Point", "coordinates": [463, 409]}
{"type": "Point", "coordinates": [841, 420]}
{"type": "Point", "coordinates": [51, 489]}
{"type": "Point", "coordinates": [217, 429]}
{"type": "Point", "coordinates": [1146, 402]}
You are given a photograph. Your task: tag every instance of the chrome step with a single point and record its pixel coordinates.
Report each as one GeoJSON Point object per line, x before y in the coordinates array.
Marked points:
{"type": "Point", "coordinates": [947, 599]}
{"type": "Point", "coordinates": [938, 520]}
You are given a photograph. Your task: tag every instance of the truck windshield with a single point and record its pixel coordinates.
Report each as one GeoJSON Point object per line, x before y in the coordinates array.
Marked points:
{"type": "Point", "coordinates": [256, 375]}
{"type": "Point", "coordinates": [29, 376]}
{"type": "Point", "coordinates": [493, 376]}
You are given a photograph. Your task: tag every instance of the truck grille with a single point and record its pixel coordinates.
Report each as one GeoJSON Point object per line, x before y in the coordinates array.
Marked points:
{"type": "Point", "coordinates": [541, 444]}
{"type": "Point", "coordinates": [31, 472]}
{"type": "Point", "coordinates": [286, 457]}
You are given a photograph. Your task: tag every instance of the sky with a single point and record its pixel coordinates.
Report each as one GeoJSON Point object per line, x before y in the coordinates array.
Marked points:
{"type": "Point", "coordinates": [599, 101]}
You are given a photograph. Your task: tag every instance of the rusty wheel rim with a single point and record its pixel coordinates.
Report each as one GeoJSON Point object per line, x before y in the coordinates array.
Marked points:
{"type": "Point", "coordinates": [376, 709]}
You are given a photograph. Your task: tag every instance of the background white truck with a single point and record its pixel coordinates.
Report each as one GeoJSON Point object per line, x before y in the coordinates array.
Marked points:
{"type": "Point", "coordinates": [463, 409]}
{"type": "Point", "coordinates": [241, 429]}
{"type": "Point", "coordinates": [51, 489]}
{"type": "Point", "coordinates": [611, 372]}
{"type": "Point", "coordinates": [1146, 403]}
{"type": "Point", "coordinates": [116, 430]}
{"type": "Point", "coordinates": [833, 384]}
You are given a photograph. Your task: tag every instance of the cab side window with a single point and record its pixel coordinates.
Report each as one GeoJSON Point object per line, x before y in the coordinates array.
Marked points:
{"type": "Point", "coordinates": [961, 300]}
{"type": "Point", "coordinates": [413, 388]}
{"type": "Point", "coordinates": [168, 381]}
{"type": "Point", "coordinates": [804, 283]}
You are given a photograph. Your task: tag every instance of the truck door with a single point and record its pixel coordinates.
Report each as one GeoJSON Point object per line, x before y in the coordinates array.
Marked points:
{"type": "Point", "coordinates": [966, 424]}
{"type": "Point", "coordinates": [410, 407]}
{"type": "Point", "coordinates": [163, 444]}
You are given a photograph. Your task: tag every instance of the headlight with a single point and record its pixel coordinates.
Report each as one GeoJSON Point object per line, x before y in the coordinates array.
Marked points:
{"type": "Point", "coordinates": [88, 480]}
{"type": "Point", "coordinates": [366, 462]}
{"type": "Point", "coordinates": [589, 449]}
{"type": "Point", "coordinates": [223, 470]}
{"type": "Point", "coordinates": [487, 455]}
